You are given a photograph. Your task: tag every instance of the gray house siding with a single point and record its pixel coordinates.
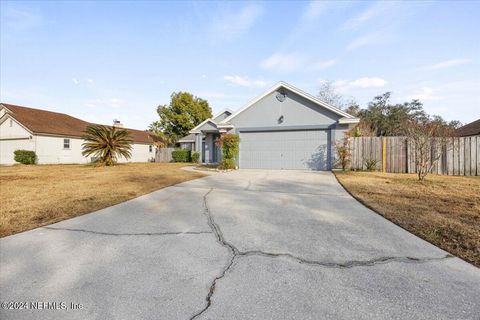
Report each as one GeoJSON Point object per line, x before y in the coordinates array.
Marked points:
{"type": "Point", "coordinates": [293, 134]}
{"type": "Point", "coordinates": [208, 126]}
{"type": "Point", "coordinates": [296, 111]}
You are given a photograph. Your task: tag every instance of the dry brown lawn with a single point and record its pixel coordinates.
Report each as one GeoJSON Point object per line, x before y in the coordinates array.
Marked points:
{"type": "Point", "coordinates": [443, 210]}
{"type": "Point", "coordinates": [33, 196]}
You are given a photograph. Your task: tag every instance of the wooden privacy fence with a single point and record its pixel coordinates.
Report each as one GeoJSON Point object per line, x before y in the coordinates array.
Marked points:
{"type": "Point", "coordinates": [461, 157]}
{"type": "Point", "coordinates": [164, 155]}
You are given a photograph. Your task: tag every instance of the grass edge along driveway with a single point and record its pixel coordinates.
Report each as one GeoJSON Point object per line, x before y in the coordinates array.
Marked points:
{"type": "Point", "coordinates": [38, 195]}
{"type": "Point", "coordinates": [443, 210]}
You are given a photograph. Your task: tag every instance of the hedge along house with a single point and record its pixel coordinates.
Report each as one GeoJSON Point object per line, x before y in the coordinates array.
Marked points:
{"type": "Point", "coordinates": [56, 137]}
{"type": "Point", "coordinates": [283, 128]}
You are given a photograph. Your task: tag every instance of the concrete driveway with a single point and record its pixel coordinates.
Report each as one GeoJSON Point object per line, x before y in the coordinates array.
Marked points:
{"type": "Point", "coordinates": [240, 245]}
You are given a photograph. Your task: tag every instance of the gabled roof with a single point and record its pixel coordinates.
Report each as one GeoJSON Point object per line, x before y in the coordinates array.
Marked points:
{"type": "Point", "coordinates": [40, 121]}
{"type": "Point", "coordinates": [301, 93]}
{"type": "Point", "coordinates": [227, 112]}
{"type": "Point", "coordinates": [196, 129]}
{"type": "Point", "coordinates": [470, 129]}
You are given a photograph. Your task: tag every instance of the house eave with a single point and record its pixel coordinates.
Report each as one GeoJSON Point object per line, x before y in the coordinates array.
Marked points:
{"type": "Point", "coordinates": [348, 120]}
{"type": "Point", "coordinates": [225, 126]}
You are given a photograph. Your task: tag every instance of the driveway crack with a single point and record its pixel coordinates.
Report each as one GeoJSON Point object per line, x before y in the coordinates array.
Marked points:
{"type": "Point", "coordinates": [234, 253]}
{"type": "Point", "coordinates": [129, 234]}
{"type": "Point", "coordinates": [347, 264]}
{"type": "Point", "coordinates": [221, 240]}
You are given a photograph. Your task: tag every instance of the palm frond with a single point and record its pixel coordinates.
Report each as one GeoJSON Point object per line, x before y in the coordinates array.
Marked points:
{"type": "Point", "coordinates": [107, 143]}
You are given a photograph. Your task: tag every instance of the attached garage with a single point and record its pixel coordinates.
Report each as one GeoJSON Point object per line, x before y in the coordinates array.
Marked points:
{"type": "Point", "coordinates": [294, 149]}
{"type": "Point", "coordinates": [283, 128]}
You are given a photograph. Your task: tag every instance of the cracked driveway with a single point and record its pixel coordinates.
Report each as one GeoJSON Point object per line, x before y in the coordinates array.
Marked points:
{"type": "Point", "coordinates": [241, 245]}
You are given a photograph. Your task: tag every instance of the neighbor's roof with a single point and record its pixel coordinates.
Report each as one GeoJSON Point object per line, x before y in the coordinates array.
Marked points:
{"type": "Point", "coordinates": [47, 122]}
{"type": "Point", "coordinates": [470, 129]}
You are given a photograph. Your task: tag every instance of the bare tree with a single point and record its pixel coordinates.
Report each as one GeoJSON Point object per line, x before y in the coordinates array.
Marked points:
{"type": "Point", "coordinates": [429, 139]}
{"type": "Point", "coordinates": [342, 148]}
{"type": "Point", "coordinates": [327, 93]}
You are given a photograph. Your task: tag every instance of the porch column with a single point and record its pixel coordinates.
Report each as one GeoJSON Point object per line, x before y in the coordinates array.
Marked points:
{"type": "Point", "coordinates": [208, 148]}
{"type": "Point", "coordinates": [198, 143]}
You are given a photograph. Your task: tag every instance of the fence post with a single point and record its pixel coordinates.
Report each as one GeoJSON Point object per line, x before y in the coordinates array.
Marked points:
{"type": "Point", "coordinates": [384, 154]}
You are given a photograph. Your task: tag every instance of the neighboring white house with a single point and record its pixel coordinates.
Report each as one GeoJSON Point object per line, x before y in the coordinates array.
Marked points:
{"type": "Point", "coordinates": [56, 137]}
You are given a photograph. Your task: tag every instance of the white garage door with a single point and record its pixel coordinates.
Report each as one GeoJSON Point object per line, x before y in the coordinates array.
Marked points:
{"type": "Point", "coordinates": [307, 149]}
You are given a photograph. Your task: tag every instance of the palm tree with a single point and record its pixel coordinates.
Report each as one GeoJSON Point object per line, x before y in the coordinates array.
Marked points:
{"type": "Point", "coordinates": [107, 143]}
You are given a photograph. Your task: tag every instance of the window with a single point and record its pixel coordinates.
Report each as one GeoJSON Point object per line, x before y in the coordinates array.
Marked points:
{"type": "Point", "coordinates": [150, 148]}
{"type": "Point", "coordinates": [11, 122]}
{"type": "Point", "coordinates": [66, 143]}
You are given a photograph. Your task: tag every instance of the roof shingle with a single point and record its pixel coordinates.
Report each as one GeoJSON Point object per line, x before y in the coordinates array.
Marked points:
{"type": "Point", "coordinates": [47, 122]}
{"type": "Point", "coordinates": [470, 129]}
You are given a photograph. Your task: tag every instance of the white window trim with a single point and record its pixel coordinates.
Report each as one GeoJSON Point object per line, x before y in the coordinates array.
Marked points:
{"type": "Point", "coordinates": [69, 144]}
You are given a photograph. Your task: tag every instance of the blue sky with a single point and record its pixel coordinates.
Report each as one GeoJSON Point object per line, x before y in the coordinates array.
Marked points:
{"type": "Point", "coordinates": [104, 60]}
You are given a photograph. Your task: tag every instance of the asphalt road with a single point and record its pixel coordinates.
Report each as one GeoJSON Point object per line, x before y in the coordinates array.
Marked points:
{"type": "Point", "coordinates": [240, 245]}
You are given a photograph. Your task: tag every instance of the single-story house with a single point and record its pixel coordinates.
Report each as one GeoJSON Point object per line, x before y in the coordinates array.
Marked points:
{"type": "Point", "coordinates": [468, 130]}
{"type": "Point", "coordinates": [283, 128]}
{"type": "Point", "coordinates": [56, 137]}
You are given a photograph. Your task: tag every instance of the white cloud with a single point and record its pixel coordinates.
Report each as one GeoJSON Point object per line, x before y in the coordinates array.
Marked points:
{"type": "Point", "coordinates": [448, 63]}
{"type": "Point", "coordinates": [378, 9]}
{"type": "Point", "coordinates": [321, 65]}
{"type": "Point", "coordinates": [90, 81]}
{"type": "Point", "coordinates": [369, 38]}
{"type": "Point", "coordinates": [244, 81]}
{"type": "Point", "coordinates": [282, 62]}
{"type": "Point", "coordinates": [424, 94]}
{"type": "Point", "coordinates": [452, 100]}
{"type": "Point", "coordinates": [361, 83]}
{"type": "Point", "coordinates": [111, 102]}
{"type": "Point", "coordinates": [231, 26]}
{"type": "Point", "coordinates": [75, 81]}
{"type": "Point", "coordinates": [365, 82]}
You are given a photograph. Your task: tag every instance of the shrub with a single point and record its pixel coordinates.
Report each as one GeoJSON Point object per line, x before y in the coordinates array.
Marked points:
{"type": "Point", "coordinates": [181, 155]}
{"type": "Point", "coordinates": [342, 147]}
{"type": "Point", "coordinates": [227, 164]}
{"type": "Point", "coordinates": [25, 156]}
{"type": "Point", "coordinates": [370, 164]}
{"type": "Point", "coordinates": [195, 157]}
{"type": "Point", "coordinates": [229, 144]}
